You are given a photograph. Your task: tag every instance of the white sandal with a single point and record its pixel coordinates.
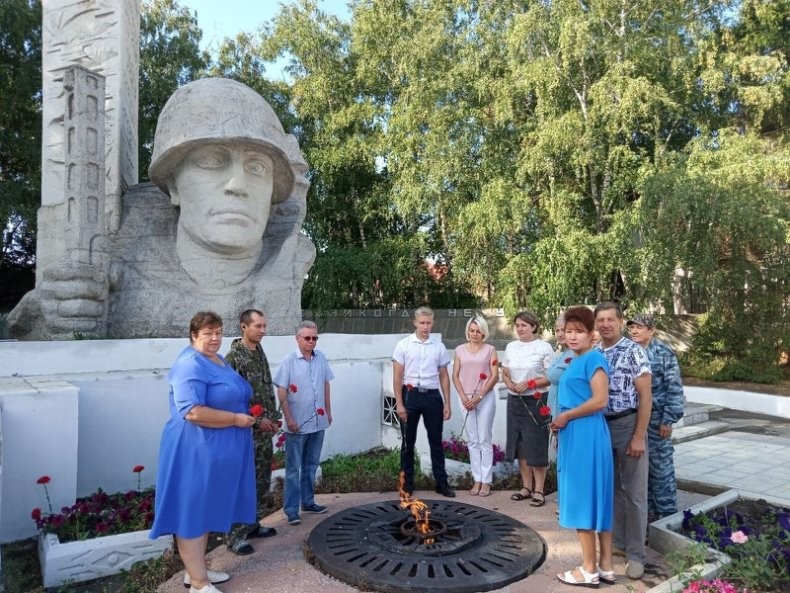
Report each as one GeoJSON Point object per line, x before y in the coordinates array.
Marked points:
{"type": "Point", "coordinates": [607, 576]}
{"type": "Point", "coordinates": [590, 578]}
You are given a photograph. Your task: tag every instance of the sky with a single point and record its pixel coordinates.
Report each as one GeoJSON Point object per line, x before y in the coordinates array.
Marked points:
{"type": "Point", "coordinates": [224, 18]}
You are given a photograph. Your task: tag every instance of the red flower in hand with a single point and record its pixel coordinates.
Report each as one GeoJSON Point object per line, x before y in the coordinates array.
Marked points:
{"type": "Point", "coordinates": [568, 360]}
{"type": "Point", "coordinates": [494, 363]}
{"type": "Point", "coordinates": [320, 411]}
{"type": "Point", "coordinates": [536, 395]}
{"type": "Point", "coordinates": [44, 480]}
{"type": "Point", "coordinates": [256, 410]}
{"type": "Point", "coordinates": [138, 468]}
{"type": "Point", "coordinates": [293, 388]}
{"type": "Point", "coordinates": [544, 410]}
{"type": "Point", "coordinates": [483, 376]}
{"type": "Point", "coordinates": [532, 384]}
{"type": "Point", "coordinates": [36, 514]}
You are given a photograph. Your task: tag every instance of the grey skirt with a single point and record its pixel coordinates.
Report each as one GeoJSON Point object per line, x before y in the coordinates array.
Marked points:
{"type": "Point", "coordinates": [527, 431]}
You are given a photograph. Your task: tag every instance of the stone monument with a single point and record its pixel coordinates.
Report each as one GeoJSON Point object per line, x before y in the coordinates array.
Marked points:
{"type": "Point", "coordinates": [219, 228]}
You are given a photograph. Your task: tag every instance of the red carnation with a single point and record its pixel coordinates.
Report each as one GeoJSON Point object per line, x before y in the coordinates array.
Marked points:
{"type": "Point", "coordinates": [36, 514]}
{"type": "Point", "coordinates": [44, 480]}
{"type": "Point", "coordinates": [256, 410]}
{"type": "Point", "coordinates": [532, 384]}
{"type": "Point", "coordinates": [568, 360]}
{"type": "Point", "coordinates": [293, 388]}
{"type": "Point", "coordinates": [536, 395]}
{"type": "Point", "coordinates": [483, 376]}
{"type": "Point", "coordinates": [544, 410]}
{"type": "Point", "coordinates": [320, 411]}
{"type": "Point", "coordinates": [280, 423]}
{"type": "Point", "coordinates": [495, 363]}
{"type": "Point", "coordinates": [138, 468]}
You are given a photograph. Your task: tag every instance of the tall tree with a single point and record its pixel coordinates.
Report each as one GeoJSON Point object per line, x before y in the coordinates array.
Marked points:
{"type": "Point", "coordinates": [20, 143]}
{"type": "Point", "coordinates": [170, 56]}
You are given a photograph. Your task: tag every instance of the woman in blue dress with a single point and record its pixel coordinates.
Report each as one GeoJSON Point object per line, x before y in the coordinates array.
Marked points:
{"type": "Point", "coordinates": [206, 477]}
{"type": "Point", "coordinates": [585, 470]}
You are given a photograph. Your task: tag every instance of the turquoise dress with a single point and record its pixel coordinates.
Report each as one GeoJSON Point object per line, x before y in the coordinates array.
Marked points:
{"type": "Point", "coordinates": [585, 470]}
{"type": "Point", "coordinates": [206, 477]}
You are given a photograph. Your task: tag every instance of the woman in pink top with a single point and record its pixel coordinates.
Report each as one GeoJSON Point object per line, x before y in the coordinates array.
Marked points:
{"type": "Point", "coordinates": [475, 372]}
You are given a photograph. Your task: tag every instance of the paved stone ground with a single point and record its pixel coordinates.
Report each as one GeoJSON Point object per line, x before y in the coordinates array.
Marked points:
{"type": "Point", "coordinates": [741, 450]}
{"type": "Point", "coordinates": [278, 564]}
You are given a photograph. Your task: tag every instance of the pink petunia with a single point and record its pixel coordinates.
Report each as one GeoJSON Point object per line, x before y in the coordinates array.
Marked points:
{"type": "Point", "coordinates": [739, 537]}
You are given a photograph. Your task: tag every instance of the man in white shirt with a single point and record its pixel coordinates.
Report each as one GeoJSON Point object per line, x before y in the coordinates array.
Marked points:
{"type": "Point", "coordinates": [421, 385]}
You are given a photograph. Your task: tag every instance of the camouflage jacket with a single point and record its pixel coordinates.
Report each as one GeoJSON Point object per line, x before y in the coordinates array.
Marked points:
{"type": "Point", "coordinates": [668, 399]}
{"type": "Point", "coordinates": [254, 367]}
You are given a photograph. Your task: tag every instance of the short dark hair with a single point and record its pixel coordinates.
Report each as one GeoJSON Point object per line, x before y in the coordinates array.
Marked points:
{"type": "Point", "coordinates": [203, 319]}
{"type": "Point", "coordinates": [246, 316]}
{"type": "Point", "coordinates": [581, 315]}
{"type": "Point", "coordinates": [528, 317]}
{"type": "Point", "coordinates": [607, 305]}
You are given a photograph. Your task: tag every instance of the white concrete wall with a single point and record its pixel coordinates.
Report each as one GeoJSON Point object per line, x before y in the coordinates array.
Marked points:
{"type": "Point", "coordinates": [746, 401]}
{"type": "Point", "coordinates": [86, 412]}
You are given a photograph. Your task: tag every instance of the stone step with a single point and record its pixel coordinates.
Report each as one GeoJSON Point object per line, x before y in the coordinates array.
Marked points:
{"type": "Point", "coordinates": [696, 414]}
{"type": "Point", "coordinates": [697, 431]}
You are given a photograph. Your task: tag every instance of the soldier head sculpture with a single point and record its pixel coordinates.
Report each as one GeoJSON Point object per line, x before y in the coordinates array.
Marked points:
{"type": "Point", "coordinates": [218, 155]}
{"type": "Point", "coordinates": [223, 233]}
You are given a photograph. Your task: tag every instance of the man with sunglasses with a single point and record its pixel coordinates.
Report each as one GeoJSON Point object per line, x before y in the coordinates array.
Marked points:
{"type": "Point", "coordinates": [302, 381]}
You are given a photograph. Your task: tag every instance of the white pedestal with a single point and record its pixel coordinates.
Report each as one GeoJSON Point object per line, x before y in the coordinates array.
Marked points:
{"type": "Point", "coordinates": [97, 557]}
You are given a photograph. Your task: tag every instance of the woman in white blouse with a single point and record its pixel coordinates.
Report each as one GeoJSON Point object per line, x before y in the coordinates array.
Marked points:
{"type": "Point", "coordinates": [528, 416]}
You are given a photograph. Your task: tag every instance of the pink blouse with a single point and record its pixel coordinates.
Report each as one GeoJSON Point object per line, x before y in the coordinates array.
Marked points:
{"type": "Point", "coordinates": [472, 366]}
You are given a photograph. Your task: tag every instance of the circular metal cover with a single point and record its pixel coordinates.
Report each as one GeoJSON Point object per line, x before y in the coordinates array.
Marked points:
{"type": "Point", "coordinates": [480, 550]}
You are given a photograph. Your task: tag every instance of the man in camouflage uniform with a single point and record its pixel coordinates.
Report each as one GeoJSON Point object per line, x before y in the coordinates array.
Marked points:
{"type": "Point", "coordinates": [247, 357]}
{"type": "Point", "coordinates": [668, 404]}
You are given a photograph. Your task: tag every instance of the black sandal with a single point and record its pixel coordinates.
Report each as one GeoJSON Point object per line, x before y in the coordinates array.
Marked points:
{"type": "Point", "coordinates": [535, 502]}
{"type": "Point", "coordinates": [519, 496]}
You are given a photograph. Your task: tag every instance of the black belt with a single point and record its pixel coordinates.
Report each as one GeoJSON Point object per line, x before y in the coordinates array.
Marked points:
{"type": "Point", "coordinates": [423, 390]}
{"type": "Point", "coordinates": [621, 414]}
{"type": "Point", "coordinates": [532, 395]}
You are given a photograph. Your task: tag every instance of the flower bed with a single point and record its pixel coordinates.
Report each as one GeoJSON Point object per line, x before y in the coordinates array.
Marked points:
{"type": "Point", "coordinates": [457, 464]}
{"type": "Point", "coordinates": [750, 549]}
{"type": "Point", "coordinates": [99, 535]}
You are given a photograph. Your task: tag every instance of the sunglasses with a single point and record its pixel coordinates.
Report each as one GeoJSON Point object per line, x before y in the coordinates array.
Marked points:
{"type": "Point", "coordinates": [309, 338]}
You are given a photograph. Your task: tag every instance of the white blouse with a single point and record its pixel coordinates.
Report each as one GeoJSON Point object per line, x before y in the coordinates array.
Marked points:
{"type": "Point", "coordinates": [527, 360]}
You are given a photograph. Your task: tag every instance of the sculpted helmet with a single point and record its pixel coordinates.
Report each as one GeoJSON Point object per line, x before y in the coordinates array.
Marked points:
{"type": "Point", "coordinates": [219, 109]}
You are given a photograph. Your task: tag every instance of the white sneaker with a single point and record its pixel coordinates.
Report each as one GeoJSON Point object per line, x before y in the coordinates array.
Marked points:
{"type": "Point", "coordinates": [214, 577]}
{"type": "Point", "coordinates": [207, 589]}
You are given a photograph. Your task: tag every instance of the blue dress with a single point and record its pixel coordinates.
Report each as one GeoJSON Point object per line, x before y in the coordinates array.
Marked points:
{"type": "Point", "coordinates": [206, 477]}
{"type": "Point", "coordinates": [585, 470]}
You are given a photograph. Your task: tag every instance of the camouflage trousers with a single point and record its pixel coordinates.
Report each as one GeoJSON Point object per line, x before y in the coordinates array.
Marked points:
{"type": "Point", "coordinates": [262, 445]}
{"type": "Point", "coordinates": [662, 497]}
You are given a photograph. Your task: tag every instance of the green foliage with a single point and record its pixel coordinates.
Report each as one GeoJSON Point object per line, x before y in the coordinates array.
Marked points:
{"type": "Point", "coordinates": [20, 144]}
{"type": "Point", "coordinates": [170, 56]}
{"type": "Point", "coordinates": [376, 470]}
{"type": "Point", "coordinates": [717, 215]}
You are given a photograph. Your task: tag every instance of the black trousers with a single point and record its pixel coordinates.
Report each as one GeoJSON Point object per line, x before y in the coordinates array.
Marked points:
{"type": "Point", "coordinates": [430, 406]}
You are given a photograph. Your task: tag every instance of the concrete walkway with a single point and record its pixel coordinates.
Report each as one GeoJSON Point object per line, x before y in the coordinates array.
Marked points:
{"type": "Point", "coordinates": [751, 455]}
{"type": "Point", "coordinates": [736, 450]}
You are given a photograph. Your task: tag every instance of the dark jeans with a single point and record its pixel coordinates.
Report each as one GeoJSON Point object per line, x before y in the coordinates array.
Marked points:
{"type": "Point", "coordinates": [430, 406]}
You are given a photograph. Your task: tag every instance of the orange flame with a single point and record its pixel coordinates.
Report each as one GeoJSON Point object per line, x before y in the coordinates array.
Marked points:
{"type": "Point", "coordinates": [417, 508]}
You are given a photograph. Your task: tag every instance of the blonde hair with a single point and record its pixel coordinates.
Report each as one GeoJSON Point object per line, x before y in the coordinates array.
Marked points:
{"type": "Point", "coordinates": [482, 325]}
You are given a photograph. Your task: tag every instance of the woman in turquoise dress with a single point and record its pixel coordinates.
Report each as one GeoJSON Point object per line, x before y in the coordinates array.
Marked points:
{"type": "Point", "coordinates": [206, 476]}
{"type": "Point", "coordinates": [585, 469]}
